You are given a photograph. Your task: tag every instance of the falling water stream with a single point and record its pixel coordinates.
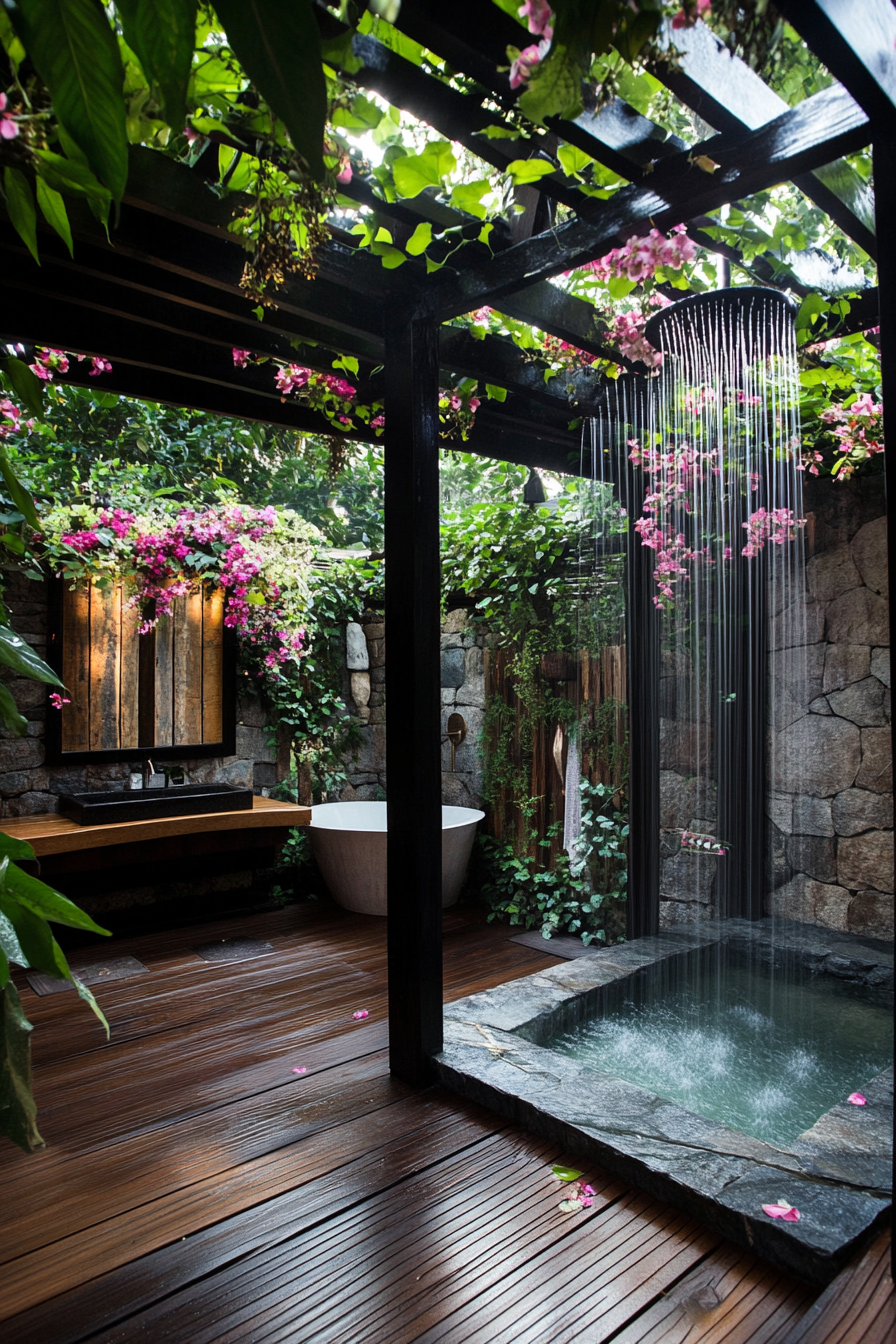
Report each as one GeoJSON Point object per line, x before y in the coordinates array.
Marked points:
{"type": "Point", "coordinates": [705, 461]}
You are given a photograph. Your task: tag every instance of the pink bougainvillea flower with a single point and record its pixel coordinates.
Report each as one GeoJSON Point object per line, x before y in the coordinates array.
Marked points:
{"type": "Point", "coordinates": [57, 700]}
{"type": "Point", "coordinates": [783, 1211]}
{"type": "Point", "coordinates": [684, 20]}
{"type": "Point", "coordinates": [345, 172]}
{"type": "Point", "coordinates": [241, 357]}
{"type": "Point", "coordinates": [302, 1070]}
{"type": "Point", "coordinates": [857, 1099]}
{"type": "Point", "coordinates": [539, 16]}
{"type": "Point", "coordinates": [361, 1013]}
{"type": "Point", "coordinates": [527, 61]}
{"type": "Point", "coordinates": [9, 127]}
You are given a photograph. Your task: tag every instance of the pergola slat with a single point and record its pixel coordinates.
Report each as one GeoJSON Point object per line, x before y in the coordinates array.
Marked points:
{"type": "Point", "coordinates": [859, 48]}
{"type": "Point", "coordinates": [818, 130]}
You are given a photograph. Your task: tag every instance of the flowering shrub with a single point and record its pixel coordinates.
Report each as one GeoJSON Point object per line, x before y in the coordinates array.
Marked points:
{"type": "Point", "coordinates": [858, 429]}
{"type": "Point", "coordinates": [642, 256]}
{"type": "Point", "coordinates": [259, 557]}
{"type": "Point", "coordinates": [776, 525]}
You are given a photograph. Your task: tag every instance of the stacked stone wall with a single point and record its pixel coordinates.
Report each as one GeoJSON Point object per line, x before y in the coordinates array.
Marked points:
{"type": "Point", "coordinates": [463, 692]}
{"type": "Point", "coordinates": [830, 803]}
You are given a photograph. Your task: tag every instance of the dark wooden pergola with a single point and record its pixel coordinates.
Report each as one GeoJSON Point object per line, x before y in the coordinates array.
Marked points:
{"type": "Point", "coordinates": [162, 300]}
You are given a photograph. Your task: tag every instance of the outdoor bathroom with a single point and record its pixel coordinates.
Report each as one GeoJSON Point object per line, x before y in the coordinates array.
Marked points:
{"type": "Point", "coordinates": [446, 802]}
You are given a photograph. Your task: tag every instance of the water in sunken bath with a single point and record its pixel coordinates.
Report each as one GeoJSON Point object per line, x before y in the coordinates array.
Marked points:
{"type": "Point", "coordinates": [720, 1034]}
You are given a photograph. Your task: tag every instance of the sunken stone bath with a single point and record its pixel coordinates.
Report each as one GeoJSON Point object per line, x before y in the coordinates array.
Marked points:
{"type": "Point", "coordinates": [527, 1050]}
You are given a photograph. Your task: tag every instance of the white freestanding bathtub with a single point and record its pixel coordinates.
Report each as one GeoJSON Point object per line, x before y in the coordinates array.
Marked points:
{"type": "Point", "coordinates": [349, 843]}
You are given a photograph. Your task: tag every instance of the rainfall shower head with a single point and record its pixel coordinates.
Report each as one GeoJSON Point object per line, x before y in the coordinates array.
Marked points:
{"type": "Point", "coordinates": [754, 316]}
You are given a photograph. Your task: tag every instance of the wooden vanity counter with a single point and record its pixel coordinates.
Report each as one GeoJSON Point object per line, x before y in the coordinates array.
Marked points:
{"type": "Point", "coordinates": [49, 833]}
{"type": "Point", "coordinates": [165, 852]}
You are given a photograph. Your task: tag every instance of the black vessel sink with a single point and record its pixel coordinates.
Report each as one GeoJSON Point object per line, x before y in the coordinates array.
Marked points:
{"type": "Point", "coordinates": [180, 800]}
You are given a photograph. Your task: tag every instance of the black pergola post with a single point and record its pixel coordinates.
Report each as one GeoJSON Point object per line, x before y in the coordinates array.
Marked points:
{"type": "Point", "coordinates": [413, 751]}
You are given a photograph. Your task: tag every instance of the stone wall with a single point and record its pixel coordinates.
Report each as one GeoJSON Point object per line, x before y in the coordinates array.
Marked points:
{"type": "Point", "coordinates": [463, 691]}
{"type": "Point", "coordinates": [831, 803]}
{"type": "Point", "coordinates": [28, 785]}
{"type": "Point", "coordinates": [830, 798]}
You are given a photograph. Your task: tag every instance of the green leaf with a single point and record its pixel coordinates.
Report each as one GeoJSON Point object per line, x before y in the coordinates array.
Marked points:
{"type": "Point", "coordinates": [573, 160]}
{"type": "Point", "coordinates": [523, 171]}
{"type": "Point", "coordinates": [35, 938]}
{"type": "Point", "coordinates": [391, 257]}
{"type": "Point", "coordinates": [43, 900]}
{"type": "Point", "coordinates": [75, 52]}
{"type": "Point", "coordinates": [18, 655]}
{"type": "Point", "coordinates": [52, 207]}
{"type": "Point", "coordinates": [419, 240]}
{"type": "Point", "coordinates": [12, 848]}
{"type": "Point", "coordinates": [18, 1113]}
{"type": "Point", "coordinates": [25, 385]}
{"type": "Point", "coordinates": [566, 1173]}
{"type": "Point", "coordinates": [162, 34]}
{"type": "Point", "coordinates": [10, 43]}
{"type": "Point", "coordinates": [87, 995]}
{"type": "Point", "coordinates": [10, 716]}
{"type": "Point", "coordinates": [619, 286]}
{"type": "Point", "coordinates": [277, 42]}
{"type": "Point", "coordinates": [414, 172]}
{"type": "Point", "coordinates": [496, 393]}
{"type": "Point", "coordinates": [71, 177]}
{"type": "Point", "coordinates": [468, 196]}
{"type": "Point", "coordinates": [555, 88]}
{"type": "Point", "coordinates": [21, 208]}
{"type": "Point", "coordinates": [20, 496]}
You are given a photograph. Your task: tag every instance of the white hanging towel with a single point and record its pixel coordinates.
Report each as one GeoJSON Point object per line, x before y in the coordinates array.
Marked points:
{"type": "Point", "coordinates": [572, 820]}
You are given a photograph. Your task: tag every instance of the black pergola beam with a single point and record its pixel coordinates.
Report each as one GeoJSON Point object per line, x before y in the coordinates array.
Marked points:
{"type": "Point", "coordinates": [857, 43]}
{"type": "Point", "coordinates": [498, 361]}
{"type": "Point", "coordinates": [726, 93]}
{"type": "Point", "coordinates": [818, 130]}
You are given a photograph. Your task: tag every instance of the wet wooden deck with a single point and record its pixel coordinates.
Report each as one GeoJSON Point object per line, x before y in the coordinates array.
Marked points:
{"type": "Point", "coordinates": [196, 1189]}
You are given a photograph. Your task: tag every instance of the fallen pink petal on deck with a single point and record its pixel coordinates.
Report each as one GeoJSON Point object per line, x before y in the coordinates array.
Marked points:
{"type": "Point", "coordinates": [300, 1070]}
{"type": "Point", "coordinates": [783, 1211]}
{"type": "Point", "coordinates": [362, 1012]}
{"type": "Point", "coordinates": [857, 1099]}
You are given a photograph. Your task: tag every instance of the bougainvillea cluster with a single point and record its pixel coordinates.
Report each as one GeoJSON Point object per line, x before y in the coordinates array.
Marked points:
{"type": "Point", "coordinates": [539, 19]}
{"type": "Point", "coordinates": [324, 392]}
{"type": "Point", "coordinates": [858, 429]}
{"type": "Point", "coordinates": [774, 525]}
{"type": "Point", "coordinates": [256, 556]}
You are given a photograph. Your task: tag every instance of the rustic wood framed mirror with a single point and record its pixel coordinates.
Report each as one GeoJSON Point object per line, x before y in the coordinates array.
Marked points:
{"type": "Point", "coordinates": [169, 693]}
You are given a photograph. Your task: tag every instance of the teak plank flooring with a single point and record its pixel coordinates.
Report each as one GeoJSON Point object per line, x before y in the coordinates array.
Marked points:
{"type": "Point", "coordinates": [196, 1189]}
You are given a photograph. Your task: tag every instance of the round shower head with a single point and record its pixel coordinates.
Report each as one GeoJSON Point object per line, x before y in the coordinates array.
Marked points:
{"type": "Point", "coordinates": [755, 315]}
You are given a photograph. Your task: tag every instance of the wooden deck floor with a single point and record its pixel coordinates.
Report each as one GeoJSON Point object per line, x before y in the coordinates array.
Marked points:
{"type": "Point", "coordinates": [196, 1189]}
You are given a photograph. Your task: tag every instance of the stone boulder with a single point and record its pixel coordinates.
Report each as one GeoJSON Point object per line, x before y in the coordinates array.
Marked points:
{"type": "Point", "coordinates": [800, 623]}
{"type": "Point", "coordinates": [357, 658]}
{"type": "Point", "coordinates": [832, 573]}
{"type": "Point", "coordinates": [812, 902]}
{"type": "Point", "coordinates": [859, 617]}
{"type": "Point", "coordinates": [866, 861]}
{"type": "Point", "coordinates": [677, 796]}
{"type": "Point", "coordinates": [844, 664]}
{"type": "Point", "coordinates": [812, 816]}
{"type": "Point", "coordinates": [814, 855]}
{"type": "Point", "coordinates": [779, 810]}
{"type": "Point", "coordinates": [880, 665]}
{"type": "Point", "coordinates": [866, 703]}
{"type": "Point", "coordinates": [796, 680]}
{"type": "Point", "coordinates": [453, 671]}
{"type": "Point", "coordinates": [455, 621]}
{"type": "Point", "coordinates": [816, 755]}
{"type": "Point", "coordinates": [871, 914]}
{"type": "Point", "coordinates": [869, 551]}
{"type": "Point", "coordinates": [688, 877]}
{"type": "Point", "coordinates": [858, 810]}
{"type": "Point", "coordinates": [876, 771]}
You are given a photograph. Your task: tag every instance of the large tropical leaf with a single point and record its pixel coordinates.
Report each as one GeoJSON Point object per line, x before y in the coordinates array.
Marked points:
{"type": "Point", "coordinates": [13, 848]}
{"type": "Point", "coordinates": [18, 1113]}
{"type": "Point", "coordinates": [24, 384]}
{"type": "Point", "coordinates": [278, 45]}
{"type": "Point", "coordinates": [162, 33]}
{"type": "Point", "coordinates": [35, 938]}
{"type": "Point", "coordinates": [20, 496]}
{"type": "Point", "coordinates": [18, 655]}
{"type": "Point", "coordinates": [75, 52]}
{"type": "Point", "coordinates": [43, 900]}
{"type": "Point", "coordinates": [10, 716]}
{"type": "Point", "coordinates": [21, 208]}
